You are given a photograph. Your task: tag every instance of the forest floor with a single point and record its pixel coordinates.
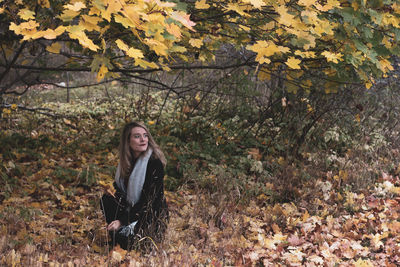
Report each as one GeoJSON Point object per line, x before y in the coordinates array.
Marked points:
{"type": "Point", "coordinates": [46, 223]}
{"type": "Point", "coordinates": [53, 173]}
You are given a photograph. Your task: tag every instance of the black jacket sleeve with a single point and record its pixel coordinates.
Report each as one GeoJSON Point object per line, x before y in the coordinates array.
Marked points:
{"type": "Point", "coordinates": [120, 197]}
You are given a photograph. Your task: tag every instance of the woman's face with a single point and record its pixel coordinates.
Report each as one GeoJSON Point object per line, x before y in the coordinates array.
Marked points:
{"type": "Point", "coordinates": [139, 140]}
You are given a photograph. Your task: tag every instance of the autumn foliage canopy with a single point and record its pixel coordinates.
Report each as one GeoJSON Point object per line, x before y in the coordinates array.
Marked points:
{"type": "Point", "coordinates": [342, 41]}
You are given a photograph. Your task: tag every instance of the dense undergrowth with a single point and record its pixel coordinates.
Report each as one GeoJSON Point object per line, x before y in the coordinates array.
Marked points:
{"type": "Point", "coordinates": [251, 180]}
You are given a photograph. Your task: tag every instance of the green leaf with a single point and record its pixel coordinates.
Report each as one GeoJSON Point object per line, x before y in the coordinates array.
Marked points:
{"type": "Point", "coordinates": [397, 34]}
{"type": "Point", "coordinates": [180, 5]}
{"type": "Point", "coordinates": [367, 32]}
{"type": "Point", "coordinates": [349, 16]}
{"type": "Point", "coordinates": [375, 15]}
{"type": "Point", "coordinates": [360, 46]}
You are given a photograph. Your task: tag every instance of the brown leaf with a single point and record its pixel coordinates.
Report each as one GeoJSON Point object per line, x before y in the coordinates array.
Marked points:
{"type": "Point", "coordinates": [295, 241]}
{"type": "Point", "coordinates": [118, 254]}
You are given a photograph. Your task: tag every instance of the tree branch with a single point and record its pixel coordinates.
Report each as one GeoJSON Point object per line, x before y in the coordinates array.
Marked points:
{"type": "Point", "coordinates": [176, 67]}
{"type": "Point", "coordinates": [36, 110]}
{"type": "Point", "coordinates": [9, 66]}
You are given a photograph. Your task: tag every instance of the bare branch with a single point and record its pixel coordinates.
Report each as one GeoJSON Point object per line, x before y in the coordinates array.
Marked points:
{"type": "Point", "coordinates": [42, 111]}
{"type": "Point", "coordinates": [139, 71]}
{"type": "Point", "coordinates": [9, 66]}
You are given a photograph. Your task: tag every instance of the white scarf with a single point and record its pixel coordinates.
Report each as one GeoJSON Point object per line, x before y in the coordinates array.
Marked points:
{"type": "Point", "coordinates": [136, 179]}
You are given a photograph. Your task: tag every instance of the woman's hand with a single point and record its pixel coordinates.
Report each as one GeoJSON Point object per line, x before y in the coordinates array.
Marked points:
{"type": "Point", "coordinates": [114, 225]}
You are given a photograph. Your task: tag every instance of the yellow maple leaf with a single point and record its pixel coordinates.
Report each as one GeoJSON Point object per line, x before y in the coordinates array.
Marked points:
{"type": "Point", "coordinates": [86, 42]}
{"type": "Point", "coordinates": [310, 16]}
{"type": "Point", "coordinates": [324, 27]}
{"type": "Point", "coordinates": [75, 7]}
{"type": "Point", "coordinates": [49, 33]}
{"type": "Point", "coordinates": [154, 18]}
{"type": "Point", "coordinates": [121, 45]}
{"type": "Point", "coordinates": [256, 3]}
{"type": "Point", "coordinates": [106, 14]}
{"type": "Point", "coordinates": [59, 30]}
{"type": "Point", "coordinates": [196, 42]}
{"type": "Point", "coordinates": [266, 49]}
{"type": "Point", "coordinates": [283, 49]}
{"type": "Point", "coordinates": [94, 11]}
{"type": "Point", "coordinates": [29, 25]}
{"type": "Point", "coordinates": [89, 26]}
{"type": "Point", "coordinates": [384, 65]}
{"type": "Point", "coordinates": [293, 63]}
{"type": "Point", "coordinates": [183, 18]}
{"type": "Point", "coordinates": [174, 30]}
{"type": "Point", "coordinates": [54, 48]}
{"type": "Point", "coordinates": [134, 53]}
{"type": "Point", "coordinates": [131, 13]}
{"type": "Point", "coordinates": [68, 15]}
{"type": "Point", "coordinates": [332, 57]}
{"type": "Point", "coordinates": [305, 54]}
{"type": "Point", "coordinates": [284, 17]}
{"type": "Point", "coordinates": [77, 32]}
{"type": "Point", "coordinates": [306, 3]}
{"type": "Point", "coordinates": [157, 46]}
{"type": "Point", "coordinates": [90, 22]}
{"type": "Point", "coordinates": [114, 6]}
{"type": "Point", "coordinates": [26, 29]}
{"type": "Point", "coordinates": [102, 72]}
{"type": "Point", "coordinates": [26, 14]}
{"type": "Point", "coordinates": [124, 21]}
{"type": "Point", "coordinates": [145, 64]}
{"type": "Point", "coordinates": [263, 60]}
{"type": "Point", "coordinates": [238, 9]}
{"type": "Point", "coordinates": [201, 4]}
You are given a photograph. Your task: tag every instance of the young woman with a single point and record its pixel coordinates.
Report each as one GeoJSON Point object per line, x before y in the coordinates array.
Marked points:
{"type": "Point", "coordinates": [138, 210]}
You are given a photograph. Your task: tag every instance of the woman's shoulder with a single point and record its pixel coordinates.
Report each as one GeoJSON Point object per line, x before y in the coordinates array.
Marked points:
{"type": "Point", "coordinates": [155, 168]}
{"type": "Point", "coordinates": [155, 162]}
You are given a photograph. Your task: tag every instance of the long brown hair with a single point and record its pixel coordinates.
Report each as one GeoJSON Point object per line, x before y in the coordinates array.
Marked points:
{"type": "Point", "coordinates": [126, 153]}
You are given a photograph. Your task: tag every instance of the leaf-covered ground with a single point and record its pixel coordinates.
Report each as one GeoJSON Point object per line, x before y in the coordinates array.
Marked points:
{"type": "Point", "coordinates": [45, 223]}
{"type": "Point", "coordinates": [54, 173]}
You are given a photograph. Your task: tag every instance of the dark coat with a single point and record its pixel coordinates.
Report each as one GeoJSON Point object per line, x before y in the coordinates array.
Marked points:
{"type": "Point", "coordinates": [151, 211]}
